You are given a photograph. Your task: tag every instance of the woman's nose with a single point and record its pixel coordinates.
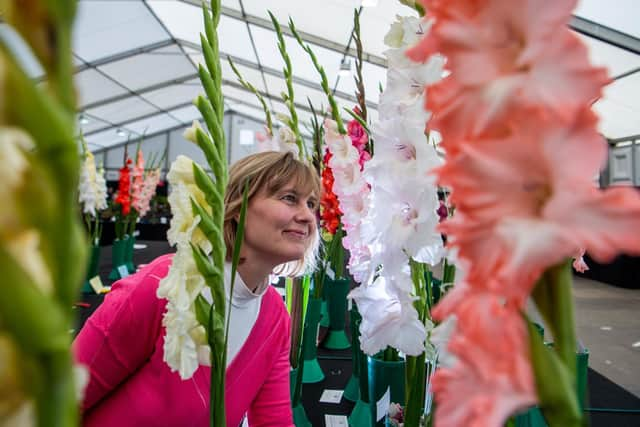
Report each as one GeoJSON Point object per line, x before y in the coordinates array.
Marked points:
{"type": "Point", "coordinates": [305, 214]}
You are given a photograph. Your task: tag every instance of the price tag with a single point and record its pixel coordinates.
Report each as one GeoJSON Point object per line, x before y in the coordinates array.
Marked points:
{"type": "Point", "coordinates": [96, 284]}
{"type": "Point", "coordinates": [382, 405]}
{"type": "Point", "coordinates": [122, 271]}
{"type": "Point", "coordinates": [331, 396]}
{"type": "Point", "coordinates": [335, 420]}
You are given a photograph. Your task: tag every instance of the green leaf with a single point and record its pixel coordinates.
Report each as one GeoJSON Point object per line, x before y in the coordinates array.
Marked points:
{"type": "Point", "coordinates": [202, 311]}
{"type": "Point", "coordinates": [211, 273]}
{"type": "Point", "coordinates": [358, 119]}
{"type": "Point", "coordinates": [237, 245]}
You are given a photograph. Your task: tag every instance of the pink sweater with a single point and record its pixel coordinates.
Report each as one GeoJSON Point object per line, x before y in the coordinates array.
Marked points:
{"type": "Point", "coordinates": [130, 385]}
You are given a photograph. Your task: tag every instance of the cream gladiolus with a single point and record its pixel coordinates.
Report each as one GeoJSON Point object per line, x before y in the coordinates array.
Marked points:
{"type": "Point", "coordinates": [24, 247]}
{"type": "Point", "coordinates": [190, 133]}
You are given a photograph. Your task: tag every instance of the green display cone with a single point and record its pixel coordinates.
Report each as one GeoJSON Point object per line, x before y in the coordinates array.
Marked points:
{"type": "Point", "coordinates": [311, 371]}
{"type": "Point", "coordinates": [92, 270]}
{"type": "Point", "coordinates": [352, 389]}
{"type": "Point", "coordinates": [128, 257]}
{"type": "Point", "coordinates": [118, 257]}
{"type": "Point", "coordinates": [361, 415]}
{"type": "Point", "coordinates": [336, 291]}
{"type": "Point", "coordinates": [382, 376]}
{"type": "Point", "coordinates": [300, 416]}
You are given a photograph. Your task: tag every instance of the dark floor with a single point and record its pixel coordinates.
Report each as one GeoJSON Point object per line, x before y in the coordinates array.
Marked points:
{"type": "Point", "coordinates": [597, 307]}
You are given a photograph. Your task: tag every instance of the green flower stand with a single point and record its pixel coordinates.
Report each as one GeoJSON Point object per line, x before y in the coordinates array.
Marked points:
{"type": "Point", "coordinates": [324, 312]}
{"type": "Point", "coordinates": [311, 372]}
{"type": "Point", "coordinates": [118, 257]}
{"type": "Point", "coordinates": [352, 389]}
{"type": "Point", "coordinates": [92, 270]}
{"type": "Point", "coordinates": [128, 256]}
{"type": "Point", "coordinates": [361, 413]}
{"type": "Point", "coordinates": [382, 376]}
{"type": "Point", "coordinates": [299, 415]}
{"type": "Point", "coordinates": [336, 291]}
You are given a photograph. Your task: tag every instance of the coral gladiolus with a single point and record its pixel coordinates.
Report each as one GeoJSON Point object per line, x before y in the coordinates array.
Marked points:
{"type": "Point", "coordinates": [505, 56]}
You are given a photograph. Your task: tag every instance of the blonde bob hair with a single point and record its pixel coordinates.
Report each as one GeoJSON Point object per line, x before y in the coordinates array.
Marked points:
{"type": "Point", "coordinates": [270, 171]}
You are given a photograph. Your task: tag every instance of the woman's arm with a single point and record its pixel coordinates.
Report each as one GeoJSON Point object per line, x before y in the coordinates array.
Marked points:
{"type": "Point", "coordinates": [121, 335]}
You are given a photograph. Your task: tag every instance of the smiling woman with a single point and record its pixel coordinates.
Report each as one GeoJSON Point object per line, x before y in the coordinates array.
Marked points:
{"type": "Point", "coordinates": [123, 343]}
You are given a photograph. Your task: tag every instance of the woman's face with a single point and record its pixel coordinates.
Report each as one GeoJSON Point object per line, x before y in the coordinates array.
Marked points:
{"type": "Point", "coordinates": [279, 227]}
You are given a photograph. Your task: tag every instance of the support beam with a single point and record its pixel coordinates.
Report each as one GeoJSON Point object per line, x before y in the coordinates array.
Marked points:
{"type": "Point", "coordinates": [605, 34]}
{"type": "Point", "coordinates": [309, 38]}
{"type": "Point", "coordinates": [122, 55]}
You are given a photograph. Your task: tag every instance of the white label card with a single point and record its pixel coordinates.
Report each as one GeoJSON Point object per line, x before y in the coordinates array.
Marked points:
{"type": "Point", "coordinates": [122, 271]}
{"type": "Point", "coordinates": [331, 396]}
{"type": "Point", "coordinates": [96, 284]}
{"type": "Point", "coordinates": [335, 420]}
{"type": "Point", "coordinates": [382, 405]}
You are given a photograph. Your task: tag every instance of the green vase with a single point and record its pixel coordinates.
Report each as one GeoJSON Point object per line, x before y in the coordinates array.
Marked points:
{"type": "Point", "coordinates": [299, 415]}
{"type": "Point", "coordinates": [324, 313]}
{"type": "Point", "coordinates": [118, 252]}
{"type": "Point", "coordinates": [361, 413]}
{"type": "Point", "coordinates": [384, 376]}
{"type": "Point", "coordinates": [336, 291]}
{"type": "Point", "coordinates": [352, 389]}
{"type": "Point", "coordinates": [92, 270]}
{"type": "Point", "coordinates": [311, 372]}
{"type": "Point", "coordinates": [128, 257]}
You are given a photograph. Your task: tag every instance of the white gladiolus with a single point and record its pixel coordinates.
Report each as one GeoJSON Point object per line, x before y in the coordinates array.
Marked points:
{"type": "Point", "coordinates": [398, 219]}
{"type": "Point", "coordinates": [388, 319]}
{"type": "Point", "coordinates": [183, 190]}
{"type": "Point", "coordinates": [185, 344]}
{"type": "Point", "coordinates": [88, 189]}
{"type": "Point", "coordinates": [101, 190]}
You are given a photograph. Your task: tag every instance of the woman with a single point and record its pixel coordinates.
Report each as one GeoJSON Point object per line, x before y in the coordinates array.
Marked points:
{"type": "Point", "coordinates": [122, 343]}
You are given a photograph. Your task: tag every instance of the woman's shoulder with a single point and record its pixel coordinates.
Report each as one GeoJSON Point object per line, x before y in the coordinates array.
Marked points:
{"type": "Point", "coordinates": [273, 306]}
{"type": "Point", "coordinates": [144, 283]}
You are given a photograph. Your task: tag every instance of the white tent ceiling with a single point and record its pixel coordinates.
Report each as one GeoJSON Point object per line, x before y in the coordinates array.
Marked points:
{"type": "Point", "coordinates": [136, 59]}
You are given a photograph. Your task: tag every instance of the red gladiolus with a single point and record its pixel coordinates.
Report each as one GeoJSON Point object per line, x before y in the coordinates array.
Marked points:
{"type": "Point", "coordinates": [330, 208]}
{"type": "Point", "coordinates": [123, 198]}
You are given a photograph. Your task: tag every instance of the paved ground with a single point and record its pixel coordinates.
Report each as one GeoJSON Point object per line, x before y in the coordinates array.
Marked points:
{"type": "Point", "coordinates": [608, 325]}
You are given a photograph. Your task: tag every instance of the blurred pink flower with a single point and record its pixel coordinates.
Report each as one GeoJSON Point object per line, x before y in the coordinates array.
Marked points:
{"type": "Point", "coordinates": [505, 56]}
{"type": "Point", "coordinates": [493, 371]}
{"type": "Point", "coordinates": [526, 201]}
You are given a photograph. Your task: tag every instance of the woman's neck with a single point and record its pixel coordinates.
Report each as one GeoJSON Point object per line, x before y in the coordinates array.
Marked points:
{"type": "Point", "coordinates": [254, 276]}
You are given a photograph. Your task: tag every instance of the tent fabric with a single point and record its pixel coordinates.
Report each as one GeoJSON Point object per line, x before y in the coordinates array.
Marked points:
{"type": "Point", "coordinates": [136, 60]}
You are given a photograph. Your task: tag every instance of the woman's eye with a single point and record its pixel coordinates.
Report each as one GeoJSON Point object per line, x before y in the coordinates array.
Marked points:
{"type": "Point", "coordinates": [289, 198]}
{"type": "Point", "coordinates": [311, 204]}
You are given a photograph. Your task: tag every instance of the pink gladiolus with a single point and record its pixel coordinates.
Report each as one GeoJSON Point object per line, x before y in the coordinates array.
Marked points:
{"type": "Point", "coordinates": [493, 372]}
{"type": "Point", "coordinates": [137, 182]}
{"type": "Point", "coordinates": [151, 181]}
{"type": "Point", "coordinates": [578, 262]}
{"type": "Point", "coordinates": [504, 57]}
{"type": "Point", "coordinates": [526, 201]}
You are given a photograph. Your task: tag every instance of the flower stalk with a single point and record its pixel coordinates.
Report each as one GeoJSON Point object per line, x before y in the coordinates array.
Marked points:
{"type": "Point", "coordinates": [35, 306]}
